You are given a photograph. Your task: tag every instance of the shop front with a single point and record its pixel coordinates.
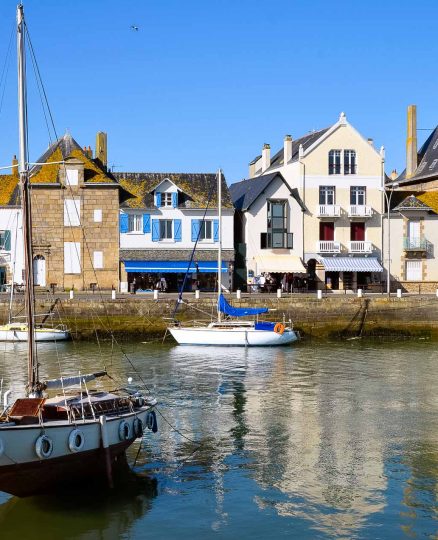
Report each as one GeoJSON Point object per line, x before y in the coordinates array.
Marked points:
{"type": "Point", "coordinates": [173, 276]}
{"type": "Point", "coordinates": [350, 273]}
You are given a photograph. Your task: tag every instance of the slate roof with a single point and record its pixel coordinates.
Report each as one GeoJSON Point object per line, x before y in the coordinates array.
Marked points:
{"type": "Point", "coordinates": [195, 189]}
{"type": "Point", "coordinates": [244, 193]}
{"type": "Point", "coordinates": [163, 254]}
{"type": "Point", "coordinates": [62, 149]}
{"type": "Point", "coordinates": [412, 203]}
{"type": "Point", "coordinates": [427, 159]}
{"type": "Point", "coordinates": [307, 140]}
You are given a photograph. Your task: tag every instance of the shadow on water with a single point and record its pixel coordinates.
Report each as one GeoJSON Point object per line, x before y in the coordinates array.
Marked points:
{"type": "Point", "coordinates": [80, 512]}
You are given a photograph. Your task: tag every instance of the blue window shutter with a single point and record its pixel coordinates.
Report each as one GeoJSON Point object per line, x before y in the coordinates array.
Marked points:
{"type": "Point", "coordinates": [155, 230]}
{"type": "Point", "coordinates": [196, 226]}
{"type": "Point", "coordinates": [177, 232]}
{"type": "Point", "coordinates": [7, 241]}
{"type": "Point", "coordinates": [124, 223]}
{"type": "Point", "coordinates": [175, 200]}
{"type": "Point", "coordinates": [216, 230]}
{"type": "Point", "coordinates": [146, 223]}
{"type": "Point", "coordinates": [158, 199]}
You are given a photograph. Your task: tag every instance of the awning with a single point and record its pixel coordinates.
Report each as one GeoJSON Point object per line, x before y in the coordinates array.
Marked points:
{"type": "Point", "coordinates": [350, 264]}
{"type": "Point", "coordinates": [278, 263]}
{"type": "Point", "coordinates": [168, 267]}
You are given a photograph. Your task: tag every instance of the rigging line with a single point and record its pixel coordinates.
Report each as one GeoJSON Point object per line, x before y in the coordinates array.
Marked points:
{"type": "Point", "coordinates": [179, 299]}
{"type": "Point", "coordinates": [6, 65]}
{"type": "Point", "coordinates": [42, 85]}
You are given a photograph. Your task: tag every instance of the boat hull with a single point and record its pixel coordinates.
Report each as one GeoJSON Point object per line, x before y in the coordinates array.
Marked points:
{"type": "Point", "coordinates": [23, 473]}
{"type": "Point", "coordinates": [14, 335]}
{"type": "Point", "coordinates": [244, 337]}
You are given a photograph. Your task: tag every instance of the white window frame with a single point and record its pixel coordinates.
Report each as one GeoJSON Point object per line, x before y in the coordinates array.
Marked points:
{"type": "Point", "coordinates": [135, 223]}
{"type": "Point", "coordinates": [356, 192]}
{"type": "Point", "coordinates": [72, 258]}
{"type": "Point", "coordinates": [327, 193]}
{"type": "Point", "coordinates": [97, 215]}
{"type": "Point", "coordinates": [414, 270]}
{"type": "Point", "coordinates": [166, 199]}
{"type": "Point", "coordinates": [72, 212]}
{"type": "Point", "coordinates": [71, 177]}
{"type": "Point", "coordinates": [98, 260]}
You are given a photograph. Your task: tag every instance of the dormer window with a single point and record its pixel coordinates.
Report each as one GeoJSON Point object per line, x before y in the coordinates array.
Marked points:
{"type": "Point", "coordinates": [71, 177]}
{"type": "Point", "coordinates": [166, 199]}
{"type": "Point", "coordinates": [334, 162]}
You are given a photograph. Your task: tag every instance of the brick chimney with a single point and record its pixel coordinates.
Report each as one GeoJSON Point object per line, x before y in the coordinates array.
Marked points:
{"type": "Point", "coordinates": [287, 149]}
{"type": "Point", "coordinates": [411, 141]}
{"type": "Point", "coordinates": [101, 148]}
{"type": "Point", "coordinates": [266, 157]}
{"type": "Point", "coordinates": [15, 167]}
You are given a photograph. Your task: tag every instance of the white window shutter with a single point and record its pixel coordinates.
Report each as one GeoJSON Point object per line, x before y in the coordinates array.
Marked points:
{"type": "Point", "coordinates": [72, 212]}
{"type": "Point", "coordinates": [72, 177]}
{"type": "Point", "coordinates": [72, 257]}
{"type": "Point", "coordinates": [97, 215]}
{"type": "Point", "coordinates": [98, 259]}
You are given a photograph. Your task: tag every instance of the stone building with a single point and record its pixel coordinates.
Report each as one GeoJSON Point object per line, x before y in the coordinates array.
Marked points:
{"type": "Point", "coordinates": [75, 214]}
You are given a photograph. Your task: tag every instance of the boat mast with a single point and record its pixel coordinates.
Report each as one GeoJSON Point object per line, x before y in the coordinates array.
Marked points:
{"type": "Point", "coordinates": [26, 205]}
{"type": "Point", "coordinates": [219, 251]}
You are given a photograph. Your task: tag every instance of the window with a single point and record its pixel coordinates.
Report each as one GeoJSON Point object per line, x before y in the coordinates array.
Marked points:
{"type": "Point", "coordinates": [413, 271]}
{"type": "Point", "coordinates": [72, 177]}
{"type": "Point", "coordinates": [166, 199]}
{"type": "Point", "coordinates": [72, 212]}
{"type": "Point", "coordinates": [335, 162]}
{"type": "Point", "coordinates": [5, 240]}
{"type": "Point", "coordinates": [358, 195]}
{"type": "Point", "coordinates": [357, 231]}
{"type": "Point", "coordinates": [165, 229]}
{"type": "Point", "coordinates": [327, 231]}
{"type": "Point", "coordinates": [135, 223]}
{"type": "Point", "coordinates": [97, 215]}
{"type": "Point", "coordinates": [349, 162]}
{"type": "Point", "coordinates": [276, 235]}
{"type": "Point", "coordinates": [97, 259]}
{"type": "Point", "coordinates": [72, 258]}
{"type": "Point", "coordinates": [206, 232]}
{"type": "Point", "coordinates": [327, 195]}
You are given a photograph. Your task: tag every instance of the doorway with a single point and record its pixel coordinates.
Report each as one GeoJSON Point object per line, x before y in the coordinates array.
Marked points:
{"type": "Point", "coordinates": [39, 271]}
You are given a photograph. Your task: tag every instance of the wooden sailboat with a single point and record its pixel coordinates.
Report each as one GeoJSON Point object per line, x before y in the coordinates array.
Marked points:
{"type": "Point", "coordinates": [49, 441]}
{"type": "Point", "coordinates": [237, 332]}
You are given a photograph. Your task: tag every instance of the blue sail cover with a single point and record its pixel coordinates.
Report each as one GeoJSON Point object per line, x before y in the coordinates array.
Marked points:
{"type": "Point", "coordinates": [225, 307]}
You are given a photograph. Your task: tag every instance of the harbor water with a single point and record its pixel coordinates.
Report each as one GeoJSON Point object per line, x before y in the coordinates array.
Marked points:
{"type": "Point", "coordinates": [319, 440]}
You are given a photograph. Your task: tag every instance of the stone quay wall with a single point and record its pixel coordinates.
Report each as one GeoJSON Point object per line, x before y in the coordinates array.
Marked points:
{"type": "Point", "coordinates": [333, 317]}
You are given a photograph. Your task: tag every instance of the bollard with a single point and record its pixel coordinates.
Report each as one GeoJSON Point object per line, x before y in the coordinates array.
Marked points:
{"type": "Point", "coordinates": [359, 293]}
{"type": "Point", "coordinates": [113, 294]}
{"type": "Point", "coordinates": [71, 294]}
{"type": "Point", "coordinates": [197, 294]}
{"type": "Point", "coordinates": [238, 293]}
{"type": "Point", "coordinates": [399, 293]}
{"type": "Point", "coordinates": [278, 293]}
{"type": "Point", "coordinates": [155, 294]}
{"type": "Point", "coordinates": [437, 292]}
{"type": "Point", "coordinates": [319, 294]}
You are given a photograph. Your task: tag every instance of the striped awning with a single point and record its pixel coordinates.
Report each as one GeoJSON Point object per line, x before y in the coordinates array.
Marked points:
{"type": "Point", "coordinates": [350, 264]}
{"type": "Point", "coordinates": [172, 267]}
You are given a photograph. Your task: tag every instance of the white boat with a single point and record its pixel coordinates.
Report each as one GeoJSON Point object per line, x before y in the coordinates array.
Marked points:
{"type": "Point", "coordinates": [48, 441]}
{"type": "Point", "coordinates": [20, 332]}
{"type": "Point", "coordinates": [232, 332]}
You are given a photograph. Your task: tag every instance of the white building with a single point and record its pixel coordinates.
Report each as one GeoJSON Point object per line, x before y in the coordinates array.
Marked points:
{"type": "Point", "coordinates": [324, 189]}
{"type": "Point", "coordinates": [161, 224]}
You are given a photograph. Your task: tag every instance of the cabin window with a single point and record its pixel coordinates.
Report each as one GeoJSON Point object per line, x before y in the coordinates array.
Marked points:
{"type": "Point", "coordinates": [72, 212]}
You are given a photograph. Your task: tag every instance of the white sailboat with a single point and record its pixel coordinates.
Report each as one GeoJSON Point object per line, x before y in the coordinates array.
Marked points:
{"type": "Point", "coordinates": [226, 332]}
{"type": "Point", "coordinates": [47, 441]}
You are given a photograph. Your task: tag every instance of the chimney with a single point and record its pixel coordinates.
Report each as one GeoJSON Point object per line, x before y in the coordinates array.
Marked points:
{"type": "Point", "coordinates": [370, 141]}
{"type": "Point", "coordinates": [252, 169]}
{"type": "Point", "coordinates": [15, 167]}
{"type": "Point", "coordinates": [394, 174]}
{"type": "Point", "coordinates": [266, 157]}
{"type": "Point", "coordinates": [90, 152]}
{"type": "Point", "coordinates": [101, 148]}
{"type": "Point", "coordinates": [411, 141]}
{"type": "Point", "coordinates": [287, 149]}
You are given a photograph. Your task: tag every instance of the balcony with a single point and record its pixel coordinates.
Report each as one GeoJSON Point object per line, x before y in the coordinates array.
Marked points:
{"type": "Point", "coordinates": [416, 244]}
{"type": "Point", "coordinates": [360, 246]}
{"type": "Point", "coordinates": [360, 211]}
{"type": "Point", "coordinates": [329, 211]}
{"type": "Point", "coordinates": [328, 246]}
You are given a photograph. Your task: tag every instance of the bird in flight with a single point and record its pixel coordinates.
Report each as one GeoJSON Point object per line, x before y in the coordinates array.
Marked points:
{"type": "Point", "coordinates": [134, 27]}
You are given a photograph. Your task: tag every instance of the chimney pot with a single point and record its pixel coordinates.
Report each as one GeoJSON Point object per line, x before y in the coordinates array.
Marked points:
{"type": "Point", "coordinates": [287, 149]}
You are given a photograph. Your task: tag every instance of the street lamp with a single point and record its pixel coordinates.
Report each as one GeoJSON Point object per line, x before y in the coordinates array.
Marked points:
{"type": "Point", "coordinates": [388, 206]}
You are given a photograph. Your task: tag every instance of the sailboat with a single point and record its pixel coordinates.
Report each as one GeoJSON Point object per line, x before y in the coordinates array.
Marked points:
{"type": "Point", "coordinates": [237, 332]}
{"type": "Point", "coordinates": [47, 441]}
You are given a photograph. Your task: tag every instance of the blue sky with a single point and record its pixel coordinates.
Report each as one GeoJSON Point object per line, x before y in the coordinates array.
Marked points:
{"type": "Point", "coordinates": [203, 84]}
